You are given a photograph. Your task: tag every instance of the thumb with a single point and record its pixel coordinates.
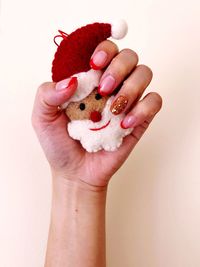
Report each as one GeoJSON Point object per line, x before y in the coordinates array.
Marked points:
{"type": "Point", "coordinates": [54, 94]}
{"type": "Point", "coordinates": [50, 95]}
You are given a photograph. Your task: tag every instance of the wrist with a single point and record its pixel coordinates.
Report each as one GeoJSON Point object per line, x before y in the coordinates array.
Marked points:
{"type": "Point", "coordinates": [72, 181]}
{"type": "Point", "coordinates": [77, 201]}
{"type": "Point", "coordinates": [65, 190]}
{"type": "Point", "coordinates": [77, 218]}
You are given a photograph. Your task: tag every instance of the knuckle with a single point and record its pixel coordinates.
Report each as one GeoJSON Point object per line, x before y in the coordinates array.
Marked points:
{"type": "Point", "coordinates": [112, 45]}
{"type": "Point", "coordinates": [132, 54]}
{"type": "Point", "coordinates": [129, 86]}
{"type": "Point", "coordinates": [157, 100]}
{"type": "Point", "coordinates": [43, 87]}
{"type": "Point", "coordinates": [44, 90]}
{"type": "Point", "coordinates": [146, 69]}
{"type": "Point", "coordinates": [108, 46]}
{"type": "Point", "coordinates": [118, 67]}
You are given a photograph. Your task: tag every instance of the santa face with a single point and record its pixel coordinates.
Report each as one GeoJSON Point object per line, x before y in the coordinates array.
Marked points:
{"type": "Point", "coordinates": [94, 125]}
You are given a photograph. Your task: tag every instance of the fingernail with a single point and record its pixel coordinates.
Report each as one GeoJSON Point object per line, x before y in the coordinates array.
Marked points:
{"type": "Point", "coordinates": [119, 105]}
{"type": "Point", "coordinates": [98, 60]}
{"type": "Point", "coordinates": [64, 84]}
{"type": "Point", "coordinates": [128, 122]}
{"type": "Point", "coordinates": [107, 85]}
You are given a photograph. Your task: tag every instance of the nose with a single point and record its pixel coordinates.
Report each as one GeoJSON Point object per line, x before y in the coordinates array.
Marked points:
{"type": "Point", "coordinates": [95, 116]}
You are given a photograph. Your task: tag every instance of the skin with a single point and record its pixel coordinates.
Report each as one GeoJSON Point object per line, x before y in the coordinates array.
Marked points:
{"type": "Point", "coordinates": [80, 179]}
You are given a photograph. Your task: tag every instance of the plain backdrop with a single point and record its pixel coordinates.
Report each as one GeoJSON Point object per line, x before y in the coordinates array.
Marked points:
{"type": "Point", "coordinates": [153, 208]}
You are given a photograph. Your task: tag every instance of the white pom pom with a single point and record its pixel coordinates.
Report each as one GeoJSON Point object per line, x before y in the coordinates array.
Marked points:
{"type": "Point", "coordinates": [119, 29]}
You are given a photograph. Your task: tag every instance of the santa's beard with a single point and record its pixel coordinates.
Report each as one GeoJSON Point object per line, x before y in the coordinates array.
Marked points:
{"type": "Point", "coordinates": [108, 138]}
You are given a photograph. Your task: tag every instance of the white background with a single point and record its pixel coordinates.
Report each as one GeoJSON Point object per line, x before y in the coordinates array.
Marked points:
{"type": "Point", "coordinates": [153, 210]}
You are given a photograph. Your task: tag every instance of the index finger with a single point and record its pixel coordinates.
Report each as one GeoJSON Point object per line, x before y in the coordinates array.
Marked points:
{"type": "Point", "coordinates": [103, 54]}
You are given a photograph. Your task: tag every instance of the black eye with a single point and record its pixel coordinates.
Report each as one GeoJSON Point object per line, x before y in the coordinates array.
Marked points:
{"type": "Point", "coordinates": [98, 96]}
{"type": "Point", "coordinates": [82, 106]}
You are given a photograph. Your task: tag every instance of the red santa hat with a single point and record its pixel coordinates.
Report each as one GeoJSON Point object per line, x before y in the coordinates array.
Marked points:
{"type": "Point", "coordinates": [72, 57]}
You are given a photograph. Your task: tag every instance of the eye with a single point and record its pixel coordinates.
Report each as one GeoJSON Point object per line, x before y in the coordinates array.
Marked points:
{"type": "Point", "coordinates": [82, 106]}
{"type": "Point", "coordinates": [98, 96]}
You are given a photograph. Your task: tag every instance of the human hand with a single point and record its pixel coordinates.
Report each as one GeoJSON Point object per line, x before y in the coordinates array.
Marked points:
{"type": "Point", "coordinates": [66, 157]}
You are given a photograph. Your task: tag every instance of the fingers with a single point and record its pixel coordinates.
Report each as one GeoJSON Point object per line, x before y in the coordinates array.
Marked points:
{"type": "Point", "coordinates": [132, 89]}
{"type": "Point", "coordinates": [122, 65]}
{"type": "Point", "coordinates": [103, 54]}
{"type": "Point", "coordinates": [50, 95]}
{"type": "Point", "coordinates": [119, 68]}
{"type": "Point", "coordinates": [144, 113]}
{"type": "Point", "coordinates": [145, 110]}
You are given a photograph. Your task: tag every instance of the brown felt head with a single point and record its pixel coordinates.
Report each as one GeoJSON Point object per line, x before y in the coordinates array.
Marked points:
{"type": "Point", "coordinates": [83, 109]}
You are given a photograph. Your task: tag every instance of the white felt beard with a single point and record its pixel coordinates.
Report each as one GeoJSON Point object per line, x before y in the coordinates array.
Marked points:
{"type": "Point", "coordinates": [108, 138]}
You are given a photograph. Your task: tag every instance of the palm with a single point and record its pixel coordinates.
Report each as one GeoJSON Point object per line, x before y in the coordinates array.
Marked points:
{"type": "Point", "coordinates": [62, 151]}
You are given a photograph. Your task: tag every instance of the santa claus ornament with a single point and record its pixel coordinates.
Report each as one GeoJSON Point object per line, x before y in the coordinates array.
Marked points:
{"type": "Point", "coordinates": [91, 121]}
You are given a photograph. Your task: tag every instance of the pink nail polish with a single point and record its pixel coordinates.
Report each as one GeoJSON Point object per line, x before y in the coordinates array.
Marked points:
{"type": "Point", "coordinates": [64, 84]}
{"type": "Point", "coordinates": [98, 60]}
{"type": "Point", "coordinates": [128, 122]}
{"type": "Point", "coordinates": [107, 85]}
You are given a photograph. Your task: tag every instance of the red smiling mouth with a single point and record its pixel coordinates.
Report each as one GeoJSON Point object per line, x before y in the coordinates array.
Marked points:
{"type": "Point", "coordinates": [102, 127]}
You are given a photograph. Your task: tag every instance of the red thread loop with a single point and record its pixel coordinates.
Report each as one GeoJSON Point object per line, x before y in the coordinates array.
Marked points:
{"type": "Point", "coordinates": [62, 35]}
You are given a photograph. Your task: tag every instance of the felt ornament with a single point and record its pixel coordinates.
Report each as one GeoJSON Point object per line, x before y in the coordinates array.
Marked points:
{"type": "Point", "coordinates": [91, 121]}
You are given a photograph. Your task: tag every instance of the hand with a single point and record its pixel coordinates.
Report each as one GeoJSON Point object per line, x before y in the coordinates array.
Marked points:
{"type": "Point", "coordinates": [66, 156]}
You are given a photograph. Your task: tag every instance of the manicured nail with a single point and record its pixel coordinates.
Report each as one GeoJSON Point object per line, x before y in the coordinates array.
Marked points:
{"type": "Point", "coordinates": [64, 84]}
{"type": "Point", "coordinates": [128, 122]}
{"type": "Point", "coordinates": [98, 60]}
{"type": "Point", "coordinates": [119, 105]}
{"type": "Point", "coordinates": [107, 85]}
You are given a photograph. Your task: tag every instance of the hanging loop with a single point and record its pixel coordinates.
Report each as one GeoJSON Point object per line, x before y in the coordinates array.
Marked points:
{"type": "Point", "coordinates": [62, 34]}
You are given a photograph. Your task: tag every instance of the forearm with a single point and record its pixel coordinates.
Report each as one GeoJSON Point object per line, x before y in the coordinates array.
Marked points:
{"type": "Point", "coordinates": [77, 229]}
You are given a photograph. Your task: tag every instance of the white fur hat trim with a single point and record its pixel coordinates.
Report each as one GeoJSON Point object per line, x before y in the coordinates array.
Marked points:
{"type": "Point", "coordinates": [87, 81]}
